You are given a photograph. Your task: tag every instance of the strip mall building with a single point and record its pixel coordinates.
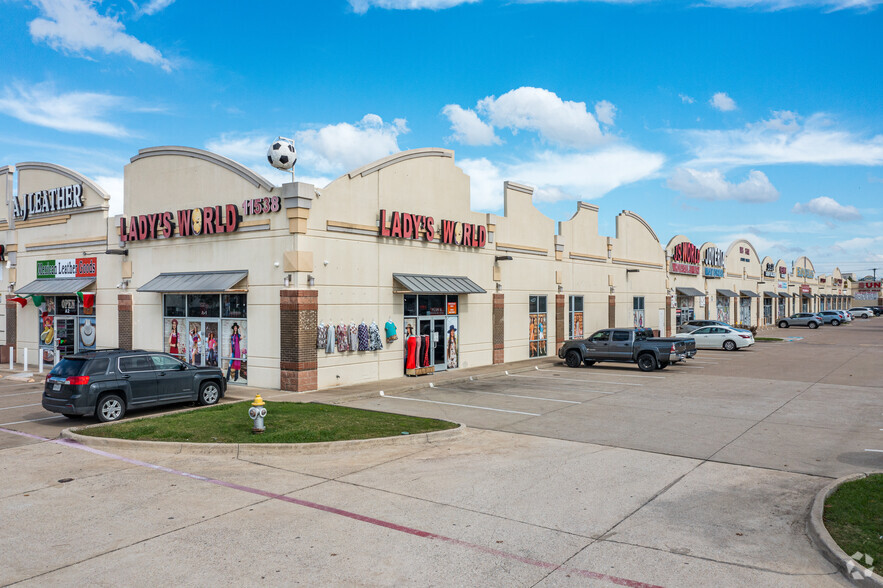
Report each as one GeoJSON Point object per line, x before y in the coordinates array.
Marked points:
{"type": "Point", "coordinates": [301, 289]}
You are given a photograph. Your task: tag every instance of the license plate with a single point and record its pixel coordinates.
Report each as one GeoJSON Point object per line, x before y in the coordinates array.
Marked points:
{"type": "Point", "coordinates": [56, 387]}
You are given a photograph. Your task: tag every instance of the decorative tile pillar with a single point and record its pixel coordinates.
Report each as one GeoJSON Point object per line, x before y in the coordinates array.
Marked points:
{"type": "Point", "coordinates": [124, 321]}
{"type": "Point", "coordinates": [498, 331]}
{"type": "Point", "coordinates": [668, 316]}
{"type": "Point", "coordinates": [298, 361]}
{"type": "Point", "coordinates": [611, 311]}
{"type": "Point", "coordinates": [559, 320]}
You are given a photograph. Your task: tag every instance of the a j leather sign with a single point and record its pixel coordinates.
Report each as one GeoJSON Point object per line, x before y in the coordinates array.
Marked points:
{"type": "Point", "coordinates": [403, 225]}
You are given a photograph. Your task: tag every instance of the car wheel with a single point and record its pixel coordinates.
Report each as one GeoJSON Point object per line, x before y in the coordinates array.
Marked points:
{"type": "Point", "coordinates": [730, 345]}
{"type": "Point", "coordinates": [110, 408]}
{"type": "Point", "coordinates": [662, 365]}
{"type": "Point", "coordinates": [589, 362]}
{"type": "Point", "coordinates": [209, 393]}
{"type": "Point", "coordinates": [783, 325]}
{"type": "Point", "coordinates": [646, 363]}
{"type": "Point", "coordinates": [835, 322]}
{"type": "Point", "coordinates": [813, 325]}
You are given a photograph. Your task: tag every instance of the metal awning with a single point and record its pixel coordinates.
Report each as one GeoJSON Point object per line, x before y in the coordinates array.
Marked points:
{"type": "Point", "coordinates": [784, 295]}
{"type": "Point", "coordinates": [749, 293]}
{"type": "Point", "coordinates": [727, 293]}
{"type": "Point", "coordinates": [806, 295]}
{"type": "Point", "coordinates": [690, 292]}
{"type": "Point", "coordinates": [195, 281]}
{"type": "Point", "coordinates": [426, 284]}
{"type": "Point", "coordinates": [768, 294]}
{"type": "Point", "coordinates": [56, 286]}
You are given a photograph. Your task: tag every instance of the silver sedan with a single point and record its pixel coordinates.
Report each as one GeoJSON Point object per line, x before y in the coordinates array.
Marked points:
{"type": "Point", "coordinates": [719, 337]}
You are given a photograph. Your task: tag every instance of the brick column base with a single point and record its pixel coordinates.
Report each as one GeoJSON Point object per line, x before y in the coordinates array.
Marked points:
{"type": "Point", "coordinates": [498, 331]}
{"type": "Point", "coordinates": [668, 316]}
{"type": "Point", "coordinates": [124, 321]}
{"type": "Point", "coordinates": [298, 361]}
{"type": "Point", "coordinates": [559, 321]}
{"type": "Point", "coordinates": [611, 312]}
{"type": "Point", "coordinates": [707, 307]}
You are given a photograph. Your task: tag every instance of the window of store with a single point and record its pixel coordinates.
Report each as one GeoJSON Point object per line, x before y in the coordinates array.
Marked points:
{"type": "Point", "coordinates": [685, 311]}
{"type": "Point", "coordinates": [723, 309]}
{"type": "Point", "coordinates": [434, 320]}
{"type": "Point", "coordinates": [537, 312]}
{"type": "Point", "coordinates": [804, 306]}
{"type": "Point", "coordinates": [638, 311]}
{"type": "Point", "coordinates": [208, 330]}
{"type": "Point", "coordinates": [781, 308]}
{"type": "Point", "coordinates": [65, 327]}
{"type": "Point", "coordinates": [767, 311]}
{"type": "Point", "coordinates": [745, 310]}
{"type": "Point", "coordinates": [576, 317]}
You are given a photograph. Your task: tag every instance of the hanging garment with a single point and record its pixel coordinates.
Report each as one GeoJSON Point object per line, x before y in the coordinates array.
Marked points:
{"type": "Point", "coordinates": [331, 339]}
{"type": "Point", "coordinates": [411, 357]}
{"type": "Point", "coordinates": [363, 337]}
{"type": "Point", "coordinates": [321, 336]}
{"type": "Point", "coordinates": [418, 350]}
{"type": "Point", "coordinates": [354, 337]}
{"type": "Point", "coordinates": [390, 328]}
{"type": "Point", "coordinates": [374, 342]}
{"type": "Point", "coordinates": [426, 348]}
{"type": "Point", "coordinates": [343, 342]}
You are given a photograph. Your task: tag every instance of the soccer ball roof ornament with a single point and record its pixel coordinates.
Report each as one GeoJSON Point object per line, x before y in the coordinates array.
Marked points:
{"type": "Point", "coordinates": [282, 154]}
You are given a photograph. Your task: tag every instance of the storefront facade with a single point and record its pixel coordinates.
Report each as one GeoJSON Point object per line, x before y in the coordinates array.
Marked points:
{"type": "Point", "coordinates": [385, 272]}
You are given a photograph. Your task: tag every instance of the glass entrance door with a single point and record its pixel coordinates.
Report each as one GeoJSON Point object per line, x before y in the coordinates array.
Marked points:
{"type": "Point", "coordinates": [65, 336]}
{"type": "Point", "coordinates": [434, 328]}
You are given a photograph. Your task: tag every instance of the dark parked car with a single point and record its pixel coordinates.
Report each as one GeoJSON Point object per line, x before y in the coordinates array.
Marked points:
{"type": "Point", "coordinates": [627, 345]}
{"type": "Point", "coordinates": [108, 383]}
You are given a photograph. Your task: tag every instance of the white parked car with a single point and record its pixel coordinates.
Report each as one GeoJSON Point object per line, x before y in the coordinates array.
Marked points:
{"type": "Point", "coordinates": [861, 312]}
{"type": "Point", "coordinates": [720, 337]}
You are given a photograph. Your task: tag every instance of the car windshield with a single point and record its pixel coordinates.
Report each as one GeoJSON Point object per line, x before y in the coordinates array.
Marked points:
{"type": "Point", "coordinates": [68, 367]}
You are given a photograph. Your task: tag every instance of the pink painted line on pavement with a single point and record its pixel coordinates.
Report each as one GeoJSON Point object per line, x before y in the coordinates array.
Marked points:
{"type": "Point", "coordinates": [344, 513]}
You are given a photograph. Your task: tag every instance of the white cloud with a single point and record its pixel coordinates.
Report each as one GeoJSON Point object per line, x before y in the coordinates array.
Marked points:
{"type": "Point", "coordinates": [344, 147]}
{"type": "Point", "coordinates": [362, 6]}
{"type": "Point", "coordinates": [113, 185]}
{"type": "Point", "coordinates": [687, 99]}
{"type": "Point", "coordinates": [772, 5]}
{"type": "Point", "coordinates": [154, 6]}
{"type": "Point", "coordinates": [558, 176]}
{"type": "Point", "coordinates": [535, 109]}
{"type": "Point", "coordinates": [828, 208]}
{"type": "Point", "coordinates": [785, 138]}
{"type": "Point", "coordinates": [468, 128]}
{"type": "Point", "coordinates": [605, 112]}
{"type": "Point", "coordinates": [712, 185]}
{"type": "Point", "coordinates": [722, 102]}
{"type": "Point", "coordinates": [75, 26]}
{"type": "Point", "coordinates": [83, 112]}
{"type": "Point", "coordinates": [245, 148]}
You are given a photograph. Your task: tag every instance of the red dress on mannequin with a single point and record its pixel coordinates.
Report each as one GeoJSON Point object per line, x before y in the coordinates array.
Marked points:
{"type": "Point", "coordinates": [411, 363]}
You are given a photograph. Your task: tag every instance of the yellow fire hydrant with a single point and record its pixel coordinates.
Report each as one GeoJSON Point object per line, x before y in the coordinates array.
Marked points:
{"type": "Point", "coordinates": [257, 412]}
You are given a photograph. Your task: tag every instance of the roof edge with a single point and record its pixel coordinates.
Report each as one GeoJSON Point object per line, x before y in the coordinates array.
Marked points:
{"type": "Point", "coordinates": [245, 173]}
{"type": "Point", "coordinates": [61, 170]}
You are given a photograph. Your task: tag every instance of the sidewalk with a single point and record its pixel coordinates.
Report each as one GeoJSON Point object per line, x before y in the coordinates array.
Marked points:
{"type": "Point", "coordinates": [342, 394]}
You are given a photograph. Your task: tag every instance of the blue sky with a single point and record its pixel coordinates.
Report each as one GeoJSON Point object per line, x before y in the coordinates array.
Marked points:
{"type": "Point", "coordinates": [716, 119]}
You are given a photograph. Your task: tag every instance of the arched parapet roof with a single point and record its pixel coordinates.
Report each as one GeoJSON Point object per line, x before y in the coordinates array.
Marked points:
{"type": "Point", "coordinates": [580, 207]}
{"type": "Point", "coordinates": [63, 171]}
{"type": "Point", "coordinates": [675, 240]}
{"type": "Point", "coordinates": [7, 169]}
{"type": "Point", "coordinates": [240, 170]}
{"type": "Point", "coordinates": [738, 242]}
{"type": "Point", "coordinates": [641, 221]}
{"type": "Point", "coordinates": [398, 158]}
{"type": "Point", "coordinates": [804, 261]}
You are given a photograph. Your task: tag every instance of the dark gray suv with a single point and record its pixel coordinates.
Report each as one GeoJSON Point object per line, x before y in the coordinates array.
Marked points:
{"type": "Point", "coordinates": [108, 383]}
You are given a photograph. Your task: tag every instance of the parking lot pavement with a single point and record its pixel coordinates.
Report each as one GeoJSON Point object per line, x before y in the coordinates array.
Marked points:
{"type": "Point", "coordinates": [696, 475]}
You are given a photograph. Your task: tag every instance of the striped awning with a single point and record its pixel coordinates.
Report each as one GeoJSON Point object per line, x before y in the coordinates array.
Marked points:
{"type": "Point", "coordinates": [194, 281]}
{"type": "Point", "coordinates": [427, 284]}
{"type": "Point", "coordinates": [56, 286]}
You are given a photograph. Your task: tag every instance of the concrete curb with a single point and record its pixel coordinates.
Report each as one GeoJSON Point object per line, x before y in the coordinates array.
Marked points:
{"type": "Point", "coordinates": [243, 450]}
{"type": "Point", "coordinates": [825, 543]}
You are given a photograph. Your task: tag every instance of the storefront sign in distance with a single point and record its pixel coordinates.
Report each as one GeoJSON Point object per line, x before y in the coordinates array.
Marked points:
{"type": "Point", "coordinates": [81, 267]}
{"type": "Point", "coordinates": [403, 225]}
{"type": "Point", "coordinates": [769, 271]}
{"type": "Point", "coordinates": [805, 273]}
{"type": "Point", "coordinates": [714, 262]}
{"type": "Point", "coordinates": [54, 200]}
{"type": "Point", "coordinates": [685, 259]}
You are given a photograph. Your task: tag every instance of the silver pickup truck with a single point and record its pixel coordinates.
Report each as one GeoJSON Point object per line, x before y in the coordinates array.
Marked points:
{"type": "Point", "coordinates": [627, 345]}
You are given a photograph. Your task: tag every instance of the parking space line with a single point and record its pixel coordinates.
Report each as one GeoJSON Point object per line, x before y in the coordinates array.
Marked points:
{"type": "Point", "coordinates": [509, 395]}
{"type": "Point", "coordinates": [20, 393]}
{"type": "Point", "coordinates": [33, 420]}
{"type": "Point", "coordinates": [572, 380]}
{"type": "Point", "coordinates": [623, 375]}
{"type": "Point", "coordinates": [693, 367]}
{"type": "Point", "coordinates": [461, 405]}
{"type": "Point", "coordinates": [20, 406]}
{"type": "Point", "coordinates": [875, 450]}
